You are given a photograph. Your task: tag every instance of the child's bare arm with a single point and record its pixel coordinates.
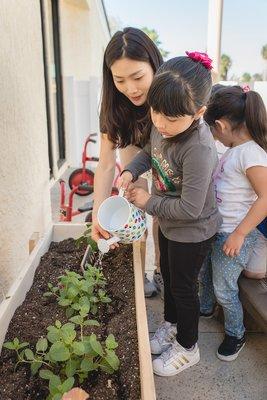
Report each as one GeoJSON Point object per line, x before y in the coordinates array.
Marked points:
{"type": "Point", "coordinates": [257, 176]}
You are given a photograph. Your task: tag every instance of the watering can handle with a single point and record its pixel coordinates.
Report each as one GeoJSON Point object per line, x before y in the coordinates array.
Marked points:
{"type": "Point", "coordinates": [121, 192]}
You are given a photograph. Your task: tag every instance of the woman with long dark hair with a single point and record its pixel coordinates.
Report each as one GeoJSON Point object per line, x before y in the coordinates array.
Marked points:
{"type": "Point", "coordinates": [130, 62]}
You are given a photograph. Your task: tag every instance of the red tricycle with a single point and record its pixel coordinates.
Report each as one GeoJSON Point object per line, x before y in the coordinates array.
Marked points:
{"type": "Point", "coordinates": [66, 211]}
{"type": "Point", "coordinates": [83, 178]}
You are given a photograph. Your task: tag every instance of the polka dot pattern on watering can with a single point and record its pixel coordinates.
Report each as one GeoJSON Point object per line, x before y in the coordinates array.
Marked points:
{"type": "Point", "coordinates": [135, 227]}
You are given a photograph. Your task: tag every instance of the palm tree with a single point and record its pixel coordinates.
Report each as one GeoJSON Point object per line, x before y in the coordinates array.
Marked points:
{"type": "Point", "coordinates": [225, 65]}
{"type": "Point", "coordinates": [257, 77]}
{"type": "Point", "coordinates": [154, 36]}
{"type": "Point", "coordinates": [246, 77]}
{"type": "Point", "coordinates": [264, 56]}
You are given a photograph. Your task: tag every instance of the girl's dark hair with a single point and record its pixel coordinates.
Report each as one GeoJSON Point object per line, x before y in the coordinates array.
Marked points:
{"type": "Point", "coordinates": [124, 122]}
{"type": "Point", "coordinates": [215, 88]}
{"type": "Point", "coordinates": [180, 87]}
{"type": "Point", "coordinates": [239, 109]}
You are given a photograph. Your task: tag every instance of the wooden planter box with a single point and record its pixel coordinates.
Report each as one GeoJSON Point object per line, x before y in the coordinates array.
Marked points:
{"type": "Point", "coordinates": [20, 287]}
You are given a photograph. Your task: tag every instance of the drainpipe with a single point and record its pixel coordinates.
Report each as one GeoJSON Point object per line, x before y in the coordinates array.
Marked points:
{"type": "Point", "coordinates": [214, 35]}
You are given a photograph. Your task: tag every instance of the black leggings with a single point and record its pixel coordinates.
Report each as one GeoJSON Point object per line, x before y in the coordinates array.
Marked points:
{"type": "Point", "coordinates": [180, 264]}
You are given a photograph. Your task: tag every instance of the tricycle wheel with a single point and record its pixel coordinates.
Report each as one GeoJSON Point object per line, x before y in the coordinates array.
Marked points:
{"type": "Point", "coordinates": [114, 191]}
{"type": "Point", "coordinates": [76, 179]}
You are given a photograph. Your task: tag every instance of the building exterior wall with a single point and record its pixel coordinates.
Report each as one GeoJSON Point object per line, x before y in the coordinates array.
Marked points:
{"type": "Point", "coordinates": [24, 171]}
{"type": "Point", "coordinates": [84, 36]}
{"type": "Point", "coordinates": [24, 165]}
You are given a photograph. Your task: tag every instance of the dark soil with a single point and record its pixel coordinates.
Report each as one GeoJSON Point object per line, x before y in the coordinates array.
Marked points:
{"type": "Point", "coordinates": [36, 313]}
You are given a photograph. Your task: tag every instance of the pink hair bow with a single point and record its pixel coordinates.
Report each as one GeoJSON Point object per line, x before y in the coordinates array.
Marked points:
{"type": "Point", "coordinates": [203, 58]}
{"type": "Point", "coordinates": [245, 88]}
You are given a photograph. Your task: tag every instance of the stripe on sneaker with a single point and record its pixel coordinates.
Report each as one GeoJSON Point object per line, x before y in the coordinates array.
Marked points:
{"type": "Point", "coordinates": [185, 359]}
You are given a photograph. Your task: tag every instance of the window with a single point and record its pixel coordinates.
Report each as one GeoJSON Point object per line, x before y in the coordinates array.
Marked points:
{"type": "Point", "coordinates": [53, 83]}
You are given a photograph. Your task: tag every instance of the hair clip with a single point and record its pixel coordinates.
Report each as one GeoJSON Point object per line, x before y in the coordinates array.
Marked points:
{"type": "Point", "coordinates": [203, 58]}
{"type": "Point", "coordinates": [246, 88]}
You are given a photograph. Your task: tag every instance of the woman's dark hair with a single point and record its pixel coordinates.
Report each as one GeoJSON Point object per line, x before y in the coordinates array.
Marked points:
{"type": "Point", "coordinates": [180, 87]}
{"type": "Point", "coordinates": [239, 108]}
{"type": "Point", "coordinates": [124, 122]}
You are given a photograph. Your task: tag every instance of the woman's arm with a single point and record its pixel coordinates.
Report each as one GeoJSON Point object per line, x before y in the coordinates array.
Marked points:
{"type": "Point", "coordinates": [103, 180]}
{"type": "Point", "coordinates": [257, 177]}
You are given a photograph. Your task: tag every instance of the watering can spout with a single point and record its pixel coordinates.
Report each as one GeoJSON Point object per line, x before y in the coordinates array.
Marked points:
{"type": "Point", "coordinates": [104, 245]}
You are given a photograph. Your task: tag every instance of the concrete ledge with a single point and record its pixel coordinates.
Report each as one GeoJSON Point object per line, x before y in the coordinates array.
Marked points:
{"type": "Point", "coordinates": [253, 294]}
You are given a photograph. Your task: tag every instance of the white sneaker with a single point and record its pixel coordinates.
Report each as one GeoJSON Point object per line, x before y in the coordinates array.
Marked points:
{"type": "Point", "coordinates": [175, 360]}
{"type": "Point", "coordinates": [163, 338]}
{"type": "Point", "coordinates": [149, 288]}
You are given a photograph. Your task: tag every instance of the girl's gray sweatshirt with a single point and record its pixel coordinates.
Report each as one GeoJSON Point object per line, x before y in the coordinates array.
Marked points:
{"type": "Point", "coordinates": [183, 194]}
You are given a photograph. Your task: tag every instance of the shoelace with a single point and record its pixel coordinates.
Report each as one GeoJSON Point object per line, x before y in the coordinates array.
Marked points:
{"type": "Point", "coordinates": [175, 349]}
{"type": "Point", "coordinates": [160, 279]}
{"type": "Point", "coordinates": [160, 332]}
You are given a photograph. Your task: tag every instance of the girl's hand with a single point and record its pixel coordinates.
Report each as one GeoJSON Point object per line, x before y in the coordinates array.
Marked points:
{"type": "Point", "coordinates": [99, 233]}
{"type": "Point", "coordinates": [138, 196]}
{"type": "Point", "coordinates": [76, 394]}
{"type": "Point", "coordinates": [233, 244]}
{"type": "Point", "coordinates": [124, 180]}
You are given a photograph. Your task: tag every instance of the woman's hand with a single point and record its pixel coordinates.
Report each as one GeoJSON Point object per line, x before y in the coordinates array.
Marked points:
{"type": "Point", "coordinates": [124, 180]}
{"type": "Point", "coordinates": [138, 196]}
{"type": "Point", "coordinates": [233, 244]}
{"type": "Point", "coordinates": [99, 233]}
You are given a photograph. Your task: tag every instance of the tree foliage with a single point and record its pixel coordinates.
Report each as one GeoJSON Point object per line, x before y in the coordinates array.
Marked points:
{"type": "Point", "coordinates": [225, 65]}
{"type": "Point", "coordinates": [154, 36]}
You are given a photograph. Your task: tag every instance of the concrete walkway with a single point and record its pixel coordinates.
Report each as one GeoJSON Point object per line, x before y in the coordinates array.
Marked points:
{"type": "Point", "coordinates": [211, 379]}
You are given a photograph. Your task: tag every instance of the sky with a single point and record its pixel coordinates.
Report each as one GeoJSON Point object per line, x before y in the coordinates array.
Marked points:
{"type": "Point", "coordinates": [182, 25]}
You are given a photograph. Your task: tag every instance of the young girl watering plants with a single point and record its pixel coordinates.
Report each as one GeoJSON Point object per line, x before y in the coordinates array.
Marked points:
{"type": "Point", "coordinates": [183, 157]}
{"type": "Point", "coordinates": [238, 119]}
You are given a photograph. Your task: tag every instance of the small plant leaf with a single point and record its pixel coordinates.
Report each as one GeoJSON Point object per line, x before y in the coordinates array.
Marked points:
{"type": "Point", "coordinates": [9, 345]}
{"type": "Point", "coordinates": [104, 365]}
{"type": "Point", "coordinates": [77, 319]}
{"type": "Point", "coordinates": [29, 354]}
{"type": "Point", "coordinates": [91, 322]}
{"type": "Point", "coordinates": [84, 310]}
{"type": "Point", "coordinates": [69, 312]}
{"type": "Point", "coordinates": [78, 348]}
{"type": "Point", "coordinates": [48, 294]}
{"type": "Point", "coordinates": [87, 365]}
{"type": "Point", "coordinates": [72, 292]}
{"type": "Point", "coordinates": [22, 345]}
{"type": "Point", "coordinates": [96, 345]}
{"type": "Point", "coordinates": [54, 383]}
{"type": "Point", "coordinates": [64, 302]}
{"type": "Point", "coordinates": [112, 359]}
{"type": "Point", "coordinates": [58, 324]}
{"type": "Point", "coordinates": [42, 345]}
{"type": "Point", "coordinates": [59, 352]}
{"type": "Point", "coordinates": [45, 374]}
{"type": "Point", "coordinates": [111, 342]}
{"type": "Point", "coordinates": [35, 366]}
{"type": "Point", "coordinates": [57, 396]}
{"type": "Point", "coordinates": [106, 299]}
{"type": "Point", "coordinates": [68, 333]}
{"type": "Point", "coordinates": [53, 334]}
{"type": "Point", "coordinates": [67, 385]}
{"type": "Point", "coordinates": [71, 367]}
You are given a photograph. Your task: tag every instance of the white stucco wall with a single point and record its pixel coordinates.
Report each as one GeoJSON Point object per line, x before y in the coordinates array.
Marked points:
{"type": "Point", "coordinates": [24, 170]}
{"type": "Point", "coordinates": [84, 36]}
